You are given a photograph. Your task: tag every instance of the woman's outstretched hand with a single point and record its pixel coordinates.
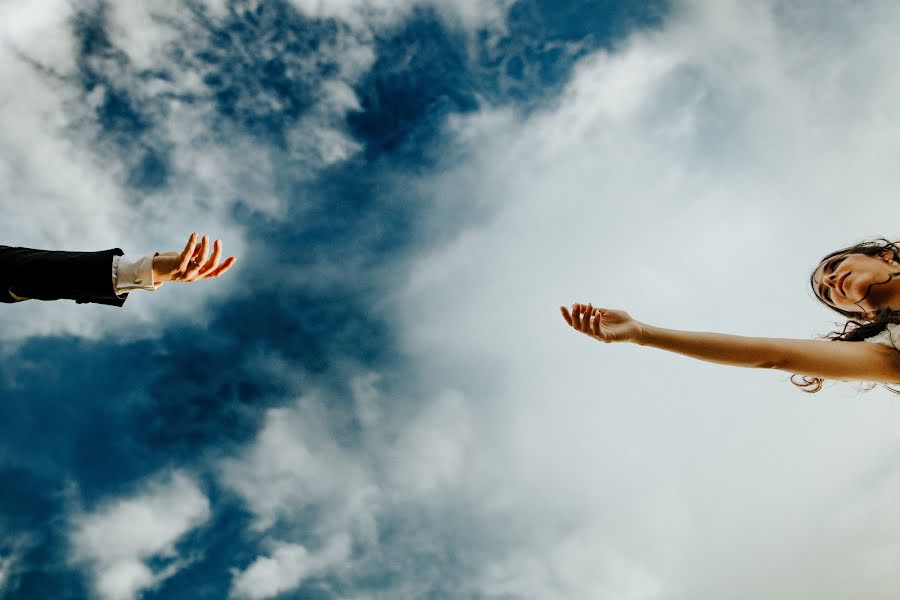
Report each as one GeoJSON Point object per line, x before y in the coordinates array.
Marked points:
{"type": "Point", "coordinates": [603, 324]}
{"type": "Point", "coordinates": [191, 263]}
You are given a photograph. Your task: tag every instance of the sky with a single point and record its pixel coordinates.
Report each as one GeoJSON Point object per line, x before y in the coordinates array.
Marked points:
{"type": "Point", "coordinates": [381, 399]}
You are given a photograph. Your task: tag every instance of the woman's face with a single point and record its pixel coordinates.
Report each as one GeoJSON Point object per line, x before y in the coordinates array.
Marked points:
{"type": "Point", "coordinates": [857, 282]}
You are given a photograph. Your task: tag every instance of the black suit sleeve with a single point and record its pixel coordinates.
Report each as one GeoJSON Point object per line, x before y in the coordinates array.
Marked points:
{"type": "Point", "coordinates": [58, 275]}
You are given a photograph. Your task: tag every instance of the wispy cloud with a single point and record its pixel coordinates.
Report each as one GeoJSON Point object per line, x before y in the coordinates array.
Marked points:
{"type": "Point", "coordinates": [294, 465]}
{"type": "Point", "coordinates": [117, 540]}
{"type": "Point", "coordinates": [286, 568]}
{"type": "Point", "coordinates": [12, 551]}
{"type": "Point", "coordinates": [375, 14]}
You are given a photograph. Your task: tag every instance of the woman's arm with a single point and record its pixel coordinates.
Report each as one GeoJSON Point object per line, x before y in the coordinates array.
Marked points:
{"type": "Point", "coordinates": [859, 361]}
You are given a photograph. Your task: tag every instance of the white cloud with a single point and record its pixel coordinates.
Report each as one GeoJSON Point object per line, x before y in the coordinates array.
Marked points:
{"type": "Point", "coordinates": [693, 176]}
{"type": "Point", "coordinates": [286, 568]}
{"type": "Point", "coordinates": [433, 453]}
{"type": "Point", "coordinates": [578, 557]}
{"type": "Point", "coordinates": [116, 540]}
{"type": "Point", "coordinates": [375, 14]}
{"type": "Point", "coordinates": [295, 464]}
{"type": "Point", "coordinates": [6, 563]}
{"type": "Point", "coordinates": [292, 468]}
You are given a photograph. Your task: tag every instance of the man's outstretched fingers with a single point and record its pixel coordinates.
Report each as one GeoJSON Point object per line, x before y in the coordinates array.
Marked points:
{"type": "Point", "coordinates": [565, 314]}
{"type": "Point", "coordinates": [204, 248]}
{"type": "Point", "coordinates": [222, 268]}
{"type": "Point", "coordinates": [188, 253]}
{"type": "Point", "coordinates": [213, 259]}
{"type": "Point", "coordinates": [199, 259]}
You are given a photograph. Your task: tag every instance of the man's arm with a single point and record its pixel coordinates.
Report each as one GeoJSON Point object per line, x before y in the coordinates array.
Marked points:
{"type": "Point", "coordinates": [29, 273]}
{"type": "Point", "coordinates": [102, 277]}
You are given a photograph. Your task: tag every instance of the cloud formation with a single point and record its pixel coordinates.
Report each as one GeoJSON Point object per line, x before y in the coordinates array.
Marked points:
{"type": "Point", "coordinates": [691, 174]}
{"type": "Point", "coordinates": [670, 179]}
{"type": "Point", "coordinates": [286, 568]}
{"type": "Point", "coordinates": [371, 14]}
{"type": "Point", "coordinates": [12, 549]}
{"type": "Point", "coordinates": [117, 540]}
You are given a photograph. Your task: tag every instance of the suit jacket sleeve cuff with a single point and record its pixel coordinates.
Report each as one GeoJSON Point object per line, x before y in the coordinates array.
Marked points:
{"type": "Point", "coordinates": [133, 273]}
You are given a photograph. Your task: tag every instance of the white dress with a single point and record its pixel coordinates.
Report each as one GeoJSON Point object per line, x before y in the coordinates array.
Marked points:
{"type": "Point", "coordinates": [890, 333]}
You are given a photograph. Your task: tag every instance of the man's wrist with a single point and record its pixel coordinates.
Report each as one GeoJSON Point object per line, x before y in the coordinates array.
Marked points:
{"type": "Point", "coordinates": [158, 279]}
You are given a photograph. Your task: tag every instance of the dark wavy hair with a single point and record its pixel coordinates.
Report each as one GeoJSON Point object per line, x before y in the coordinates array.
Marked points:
{"type": "Point", "coordinates": [857, 327]}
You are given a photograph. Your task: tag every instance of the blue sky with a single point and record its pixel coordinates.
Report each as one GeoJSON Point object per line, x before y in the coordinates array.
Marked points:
{"type": "Point", "coordinates": [380, 399]}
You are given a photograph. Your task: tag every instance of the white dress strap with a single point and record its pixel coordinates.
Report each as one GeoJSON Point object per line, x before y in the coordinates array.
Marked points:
{"type": "Point", "coordinates": [889, 336]}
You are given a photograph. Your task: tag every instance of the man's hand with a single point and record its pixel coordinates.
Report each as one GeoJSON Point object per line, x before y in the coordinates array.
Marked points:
{"type": "Point", "coordinates": [603, 324]}
{"type": "Point", "coordinates": [190, 264]}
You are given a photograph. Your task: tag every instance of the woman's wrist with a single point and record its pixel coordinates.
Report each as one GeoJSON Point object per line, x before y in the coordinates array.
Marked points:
{"type": "Point", "coordinates": [644, 334]}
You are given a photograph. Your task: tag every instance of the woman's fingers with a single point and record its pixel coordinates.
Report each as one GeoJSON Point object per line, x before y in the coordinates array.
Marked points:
{"type": "Point", "coordinates": [597, 322]}
{"type": "Point", "coordinates": [603, 324]}
{"type": "Point", "coordinates": [584, 318]}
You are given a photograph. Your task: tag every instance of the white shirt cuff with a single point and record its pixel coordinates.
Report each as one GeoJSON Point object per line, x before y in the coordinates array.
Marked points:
{"type": "Point", "coordinates": [133, 274]}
